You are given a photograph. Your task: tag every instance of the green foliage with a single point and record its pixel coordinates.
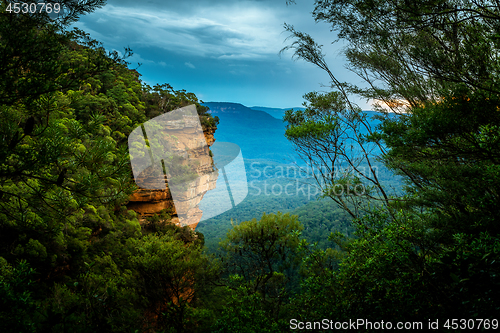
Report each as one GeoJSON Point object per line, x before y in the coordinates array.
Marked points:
{"type": "Point", "coordinates": [244, 311]}
{"type": "Point", "coordinates": [320, 218]}
{"type": "Point", "coordinates": [72, 257]}
{"type": "Point", "coordinates": [171, 275]}
{"type": "Point", "coordinates": [257, 250]}
{"type": "Point", "coordinates": [260, 259]}
{"type": "Point", "coordinates": [429, 253]}
{"type": "Point", "coordinates": [17, 305]}
{"type": "Point", "coordinates": [163, 98]}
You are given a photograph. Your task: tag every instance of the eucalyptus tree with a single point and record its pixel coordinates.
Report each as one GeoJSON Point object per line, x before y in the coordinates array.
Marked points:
{"type": "Point", "coordinates": [434, 66]}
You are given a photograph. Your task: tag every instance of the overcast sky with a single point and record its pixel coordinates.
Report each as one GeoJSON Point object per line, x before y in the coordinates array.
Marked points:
{"type": "Point", "coordinates": [221, 50]}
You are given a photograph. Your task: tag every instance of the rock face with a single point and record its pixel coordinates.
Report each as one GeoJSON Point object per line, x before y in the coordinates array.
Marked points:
{"type": "Point", "coordinates": [148, 202]}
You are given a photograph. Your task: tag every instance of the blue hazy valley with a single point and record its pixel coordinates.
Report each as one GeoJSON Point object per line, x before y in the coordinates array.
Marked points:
{"type": "Point", "coordinates": [278, 180]}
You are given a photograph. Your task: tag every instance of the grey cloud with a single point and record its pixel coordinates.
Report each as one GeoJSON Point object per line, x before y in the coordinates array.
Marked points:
{"type": "Point", "coordinates": [207, 31]}
{"type": "Point", "coordinates": [234, 43]}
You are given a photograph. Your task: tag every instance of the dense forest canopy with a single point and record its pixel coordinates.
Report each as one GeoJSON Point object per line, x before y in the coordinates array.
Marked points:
{"type": "Point", "coordinates": [74, 259]}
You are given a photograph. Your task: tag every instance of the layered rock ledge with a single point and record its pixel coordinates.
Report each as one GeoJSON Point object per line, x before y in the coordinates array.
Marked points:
{"type": "Point", "coordinates": [148, 202]}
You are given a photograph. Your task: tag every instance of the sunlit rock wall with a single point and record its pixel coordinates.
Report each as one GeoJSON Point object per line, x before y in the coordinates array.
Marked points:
{"type": "Point", "coordinates": [149, 202]}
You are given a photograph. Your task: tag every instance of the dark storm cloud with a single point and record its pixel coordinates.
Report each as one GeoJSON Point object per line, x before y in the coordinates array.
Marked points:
{"type": "Point", "coordinates": [243, 29]}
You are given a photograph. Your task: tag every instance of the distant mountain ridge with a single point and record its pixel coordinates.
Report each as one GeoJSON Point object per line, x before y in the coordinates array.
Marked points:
{"type": "Point", "coordinates": [259, 135]}
{"type": "Point", "coordinates": [275, 112]}
{"type": "Point", "coordinates": [217, 108]}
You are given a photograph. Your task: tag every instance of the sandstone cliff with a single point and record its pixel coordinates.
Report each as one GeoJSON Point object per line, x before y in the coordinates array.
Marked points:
{"type": "Point", "coordinates": [148, 202]}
